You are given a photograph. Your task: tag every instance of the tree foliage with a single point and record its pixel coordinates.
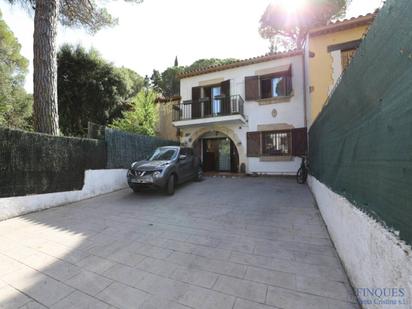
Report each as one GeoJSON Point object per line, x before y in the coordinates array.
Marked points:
{"type": "Point", "coordinates": [203, 63]}
{"type": "Point", "coordinates": [89, 14]}
{"type": "Point", "coordinates": [133, 81]}
{"type": "Point", "coordinates": [167, 82]}
{"type": "Point", "coordinates": [91, 89]}
{"type": "Point", "coordinates": [291, 27]}
{"type": "Point", "coordinates": [15, 103]}
{"type": "Point", "coordinates": [142, 117]}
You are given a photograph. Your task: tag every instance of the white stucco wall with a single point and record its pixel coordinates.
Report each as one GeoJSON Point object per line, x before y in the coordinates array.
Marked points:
{"type": "Point", "coordinates": [373, 256]}
{"type": "Point", "coordinates": [256, 165]}
{"type": "Point", "coordinates": [290, 113]}
{"type": "Point", "coordinates": [96, 182]}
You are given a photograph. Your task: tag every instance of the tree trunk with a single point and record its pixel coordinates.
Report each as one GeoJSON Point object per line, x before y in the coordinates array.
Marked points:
{"type": "Point", "coordinates": [45, 110]}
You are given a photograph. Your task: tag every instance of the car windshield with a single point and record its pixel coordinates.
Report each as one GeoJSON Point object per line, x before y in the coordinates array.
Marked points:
{"type": "Point", "coordinates": [161, 154]}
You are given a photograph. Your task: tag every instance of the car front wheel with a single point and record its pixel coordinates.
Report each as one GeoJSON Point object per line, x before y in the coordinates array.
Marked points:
{"type": "Point", "coordinates": [170, 185]}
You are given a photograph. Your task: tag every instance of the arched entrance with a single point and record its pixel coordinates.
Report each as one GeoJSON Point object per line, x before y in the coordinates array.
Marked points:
{"type": "Point", "coordinates": [192, 138]}
{"type": "Point", "coordinates": [217, 151]}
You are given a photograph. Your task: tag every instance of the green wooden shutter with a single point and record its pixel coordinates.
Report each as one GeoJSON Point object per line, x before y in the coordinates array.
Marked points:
{"type": "Point", "coordinates": [252, 88]}
{"type": "Point", "coordinates": [225, 101]}
{"type": "Point", "coordinates": [299, 141]}
{"type": "Point", "coordinates": [196, 112]}
{"type": "Point", "coordinates": [253, 144]}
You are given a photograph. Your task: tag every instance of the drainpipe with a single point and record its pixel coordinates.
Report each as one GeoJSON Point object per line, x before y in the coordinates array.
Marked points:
{"type": "Point", "coordinates": [305, 60]}
{"type": "Point", "coordinates": [305, 120]}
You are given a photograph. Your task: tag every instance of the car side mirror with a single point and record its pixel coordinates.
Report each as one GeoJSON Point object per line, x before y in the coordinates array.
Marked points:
{"type": "Point", "coordinates": [182, 157]}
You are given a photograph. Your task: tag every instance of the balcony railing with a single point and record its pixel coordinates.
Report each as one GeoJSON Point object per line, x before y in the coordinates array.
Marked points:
{"type": "Point", "coordinates": [206, 108]}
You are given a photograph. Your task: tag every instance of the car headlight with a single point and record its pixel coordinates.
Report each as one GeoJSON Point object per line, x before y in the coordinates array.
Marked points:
{"type": "Point", "coordinates": [157, 174]}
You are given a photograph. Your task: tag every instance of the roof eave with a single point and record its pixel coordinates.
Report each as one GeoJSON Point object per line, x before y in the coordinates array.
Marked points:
{"type": "Point", "coordinates": [343, 25]}
{"type": "Point", "coordinates": [241, 63]}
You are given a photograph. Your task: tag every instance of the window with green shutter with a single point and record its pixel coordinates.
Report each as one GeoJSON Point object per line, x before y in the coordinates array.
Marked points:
{"type": "Point", "coordinates": [291, 142]}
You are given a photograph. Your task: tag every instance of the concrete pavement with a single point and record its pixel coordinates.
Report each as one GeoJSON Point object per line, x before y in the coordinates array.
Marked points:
{"type": "Point", "coordinates": [242, 243]}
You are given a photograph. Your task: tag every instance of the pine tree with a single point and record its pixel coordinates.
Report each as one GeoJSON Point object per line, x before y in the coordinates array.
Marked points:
{"type": "Point", "coordinates": [47, 14]}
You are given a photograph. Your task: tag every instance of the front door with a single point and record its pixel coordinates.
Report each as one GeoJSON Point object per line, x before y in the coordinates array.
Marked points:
{"type": "Point", "coordinates": [224, 155]}
{"type": "Point", "coordinates": [216, 155]}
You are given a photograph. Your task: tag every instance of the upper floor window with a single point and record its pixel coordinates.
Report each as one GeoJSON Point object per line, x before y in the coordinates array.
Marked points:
{"type": "Point", "coordinates": [216, 102]}
{"type": "Point", "coordinates": [346, 56]}
{"type": "Point", "coordinates": [211, 100]}
{"type": "Point", "coordinates": [346, 50]}
{"type": "Point", "coordinates": [275, 85]}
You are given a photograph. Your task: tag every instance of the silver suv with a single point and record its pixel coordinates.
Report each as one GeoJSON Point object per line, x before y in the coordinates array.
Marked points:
{"type": "Point", "coordinates": [166, 167]}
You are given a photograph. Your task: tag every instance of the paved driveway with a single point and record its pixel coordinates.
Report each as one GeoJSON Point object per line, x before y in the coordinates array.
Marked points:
{"type": "Point", "coordinates": [239, 243]}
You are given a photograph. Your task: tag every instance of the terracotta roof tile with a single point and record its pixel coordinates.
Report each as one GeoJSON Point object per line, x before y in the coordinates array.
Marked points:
{"type": "Point", "coordinates": [343, 24]}
{"type": "Point", "coordinates": [162, 99]}
{"type": "Point", "coordinates": [240, 63]}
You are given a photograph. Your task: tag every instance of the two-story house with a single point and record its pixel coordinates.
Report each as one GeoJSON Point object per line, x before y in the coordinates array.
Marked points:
{"type": "Point", "coordinates": [247, 116]}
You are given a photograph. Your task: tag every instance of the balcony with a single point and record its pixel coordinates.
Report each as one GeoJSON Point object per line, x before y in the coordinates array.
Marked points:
{"type": "Point", "coordinates": [207, 111]}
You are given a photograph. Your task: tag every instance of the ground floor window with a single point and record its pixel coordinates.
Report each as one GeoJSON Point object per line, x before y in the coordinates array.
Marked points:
{"type": "Point", "coordinates": [292, 142]}
{"type": "Point", "coordinates": [276, 143]}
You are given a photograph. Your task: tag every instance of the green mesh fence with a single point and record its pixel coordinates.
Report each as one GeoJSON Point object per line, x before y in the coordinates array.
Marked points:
{"type": "Point", "coordinates": [33, 163]}
{"type": "Point", "coordinates": [361, 144]}
{"type": "Point", "coordinates": [125, 148]}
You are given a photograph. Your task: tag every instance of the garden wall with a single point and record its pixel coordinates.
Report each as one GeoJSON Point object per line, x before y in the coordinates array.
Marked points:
{"type": "Point", "coordinates": [34, 163]}
{"type": "Point", "coordinates": [124, 148]}
{"type": "Point", "coordinates": [39, 171]}
{"type": "Point", "coordinates": [96, 182]}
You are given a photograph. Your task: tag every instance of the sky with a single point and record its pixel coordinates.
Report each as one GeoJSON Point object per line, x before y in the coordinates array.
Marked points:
{"type": "Point", "coordinates": [150, 34]}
